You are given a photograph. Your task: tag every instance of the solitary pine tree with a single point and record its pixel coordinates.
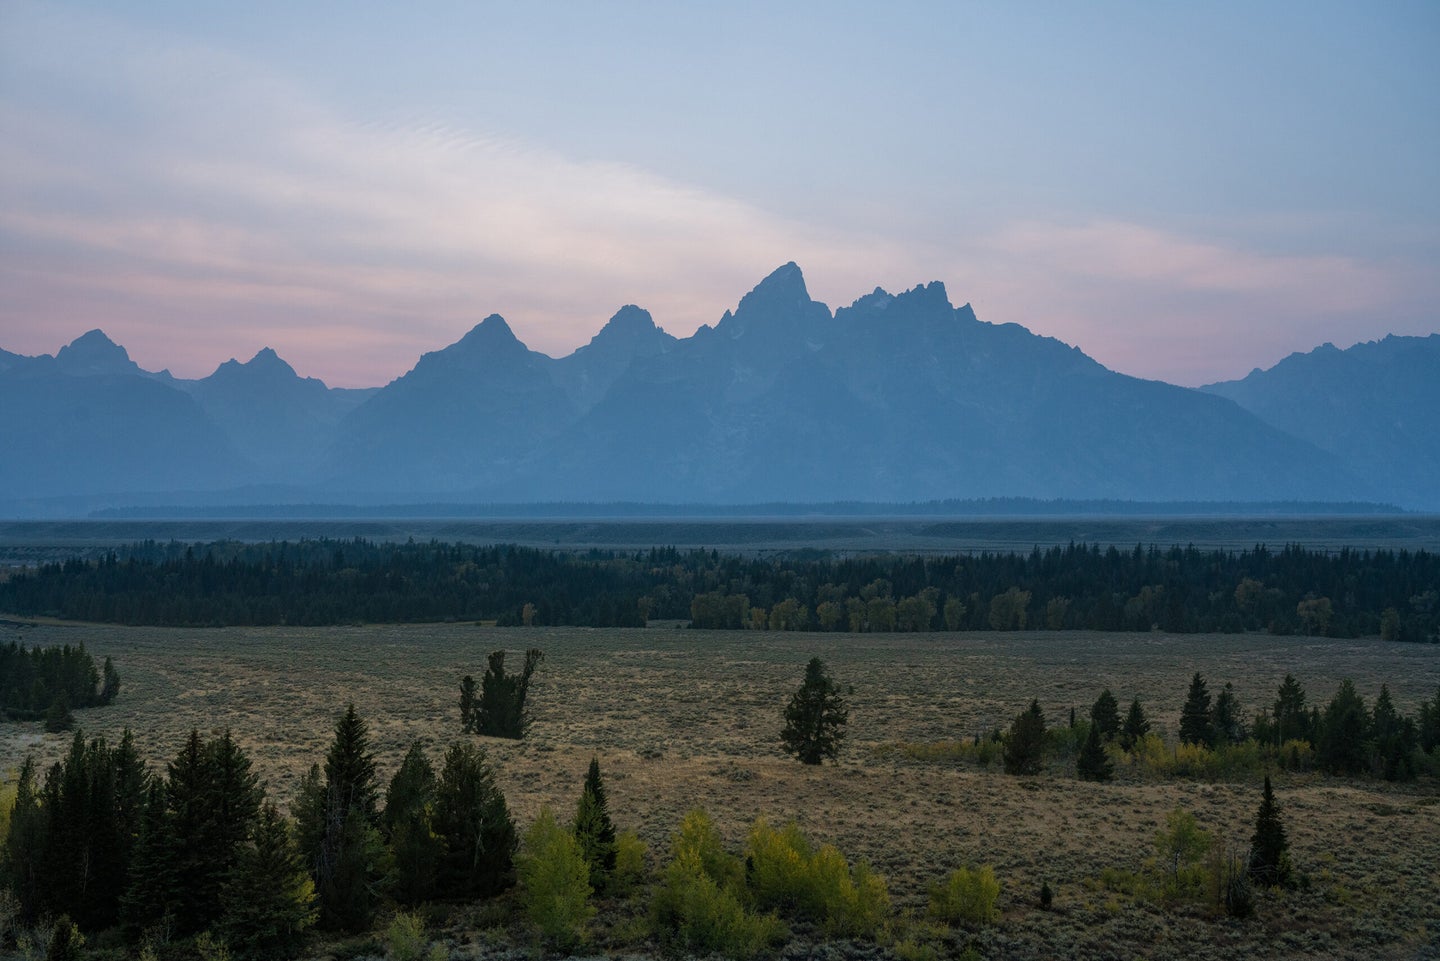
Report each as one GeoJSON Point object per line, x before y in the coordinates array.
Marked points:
{"type": "Point", "coordinates": [1196, 725]}
{"type": "Point", "coordinates": [1093, 764]}
{"type": "Point", "coordinates": [815, 717]}
{"type": "Point", "coordinates": [1025, 744]}
{"type": "Point", "coordinates": [502, 697]}
{"type": "Point", "coordinates": [340, 821]}
{"type": "Point", "coordinates": [1269, 857]}
{"type": "Point", "coordinates": [1136, 726]}
{"type": "Point", "coordinates": [1105, 715]}
{"type": "Point", "coordinates": [594, 831]}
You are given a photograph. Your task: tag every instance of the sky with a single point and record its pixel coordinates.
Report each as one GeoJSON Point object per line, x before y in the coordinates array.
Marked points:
{"type": "Point", "coordinates": [1184, 191]}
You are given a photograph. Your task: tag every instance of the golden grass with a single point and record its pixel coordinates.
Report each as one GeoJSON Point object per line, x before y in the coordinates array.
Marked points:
{"type": "Point", "coordinates": [683, 718]}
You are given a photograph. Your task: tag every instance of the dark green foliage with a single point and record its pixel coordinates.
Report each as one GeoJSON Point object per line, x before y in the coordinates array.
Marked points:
{"type": "Point", "coordinates": [1236, 891]}
{"type": "Point", "coordinates": [1344, 729]}
{"type": "Point", "coordinates": [1429, 734]}
{"type": "Point", "coordinates": [1394, 740]}
{"type": "Point", "coordinates": [815, 718]}
{"type": "Point", "coordinates": [336, 825]}
{"type": "Point", "coordinates": [1105, 715]}
{"type": "Point", "coordinates": [66, 941]}
{"type": "Point", "coordinates": [24, 852]}
{"type": "Point", "coordinates": [474, 821]}
{"type": "Point", "coordinates": [502, 697]}
{"type": "Point", "coordinates": [268, 896]}
{"type": "Point", "coordinates": [1092, 763]}
{"type": "Point", "coordinates": [1025, 744]}
{"type": "Point", "coordinates": [468, 706]}
{"type": "Point", "coordinates": [1047, 897]}
{"type": "Point", "coordinates": [1196, 721]}
{"type": "Point", "coordinates": [1088, 587]}
{"type": "Point", "coordinates": [415, 850]}
{"type": "Point", "coordinates": [1136, 726]}
{"type": "Point", "coordinates": [153, 887]}
{"type": "Point", "coordinates": [58, 718]}
{"type": "Point", "coordinates": [1269, 848]}
{"type": "Point", "coordinates": [1292, 721]}
{"type": "Point", "coordinates": [1229, 722]}
{"type": "Point", "coordinates": [594, 831]}
{"type": "Point", "coordinates": [34, 680]}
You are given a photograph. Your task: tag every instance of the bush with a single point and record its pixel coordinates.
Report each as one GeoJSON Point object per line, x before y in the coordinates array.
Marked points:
{"type": "Point", "coordinates": [785, 872]}
{"type": "Point", "coordinates": [698, 904]}
{"type": "Point", "coordinates": [405, 938]}
{"type": "Point", "coordinates": [967, 895]}
{"type": "Point", "coordinates": [629, 861]}
{"type": "Point", "coordinates": [555, 878]}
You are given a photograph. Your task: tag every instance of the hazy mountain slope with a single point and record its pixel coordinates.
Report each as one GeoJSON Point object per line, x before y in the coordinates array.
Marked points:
{"type": "Point", "coordinates": [281, 423]}
{"type": "Point", "coordinates": [1376, 406]}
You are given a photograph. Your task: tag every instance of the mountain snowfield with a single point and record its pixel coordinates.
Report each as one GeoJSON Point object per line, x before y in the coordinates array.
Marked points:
{"type": "Point", "coordinates": [898, 397]}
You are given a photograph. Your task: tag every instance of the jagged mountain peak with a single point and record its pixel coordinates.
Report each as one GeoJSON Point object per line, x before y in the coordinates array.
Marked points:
{"type": "Point", "coordinates": [94, 353]}
{"type": "Point", "coordinates": [784, 288]}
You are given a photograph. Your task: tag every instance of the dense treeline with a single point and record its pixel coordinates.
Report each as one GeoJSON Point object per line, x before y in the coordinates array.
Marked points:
{"type": "Point", "coordinates": [1184, 590]}
{"type": "Point", "coordinates": [34, 679]}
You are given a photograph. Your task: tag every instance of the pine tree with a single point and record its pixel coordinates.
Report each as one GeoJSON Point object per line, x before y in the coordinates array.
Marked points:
{"type": "Point", "coordinates": [473, 819]}
{"type": "Point", "coordinates": [593, 829]}
{"type": "Point", "coordinates": [415, 849]}
{"type": "Point", "coordinates": [502, 711]}
{"type": "Point", "coordinates": [58, 717]}
{"type": "Point", "coordinates": [268, 896]}
{"type": "Point", "coordinates": [1269, 857]}
{"type": "Point", "coordinates": [1136, 726]}
{"type": "Point", "coordinates": [343, 819]}
{"type": "Point", "coordinates": [1229, 722]}
{"type": "Point", "coordinates": [1292, 721]}
{"type": "Point", "coordinates": [1093, 764]}
{"type": "Point", "coordinates": [110, 685]}
{"type": "Point", "coordinates": [152, 891]}
{"type": "Point", "coordinates": [1196, 721]}
{"type": "Point", "coordinates": [1394, 738]}
{"type": "Point", "coordinates": [1105, 715]}
{"type": "Point", "coordinates": [1430, 724]}
{"type": "Point", "coordinates": [25, 844]}
{"type": "Point", "coordinates": [815, 718]}
{"type": "Point", "coordinates": [1025, 744]}
{"type": "Point", "coordinates": [468, 712]}
{"type": "Point", "coordinates": [1344, 729]}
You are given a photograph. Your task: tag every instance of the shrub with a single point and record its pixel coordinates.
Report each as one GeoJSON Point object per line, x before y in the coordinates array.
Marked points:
{"type": "Point", "coordinates": [405, 938]}
{"type": "Point", "coordinates": [556, 881]}
{"type": "Point", "coordinates": [629, 861]}
{"type": "Point", "coordinates": [1178, 851]}
{"type": "Point", "coordinates": [785, 872]}
{"type": "Point", "coordinates": [968, 894]}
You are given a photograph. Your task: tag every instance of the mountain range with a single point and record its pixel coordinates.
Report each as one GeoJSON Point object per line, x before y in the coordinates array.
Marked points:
{"type": "Point", "coordinates": [897, 397]}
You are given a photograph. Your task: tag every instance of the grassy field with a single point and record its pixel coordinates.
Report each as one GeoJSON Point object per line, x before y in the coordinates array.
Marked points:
{"type": "Point", "coordinates": [681, 718]}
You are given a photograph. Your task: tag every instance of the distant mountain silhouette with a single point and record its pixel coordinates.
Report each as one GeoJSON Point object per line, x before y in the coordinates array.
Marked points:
{"type": "Point", "coordinates": [1375, 406]}
{"type": "Point", "coordinates": [898, 397]}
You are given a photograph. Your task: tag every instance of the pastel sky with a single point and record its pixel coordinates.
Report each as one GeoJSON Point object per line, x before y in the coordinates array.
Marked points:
{"type": "Point", "coordinates": [1185, 191]}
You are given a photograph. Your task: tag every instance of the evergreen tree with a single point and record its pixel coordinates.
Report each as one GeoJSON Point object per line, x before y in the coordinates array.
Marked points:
{"type": "Point", "coordinates": [1105, 715]}
{"type": "Point", "coordinates": [815, 718]}
{"type": "Point", "coordinates": [468, 708]}
{"type": "Point", "coordinates": [1269, 848]}
{"type": "Point", "coordinates": [593, 829]}
{"type": "Point", "coordinates": [1025, 744]}
{"type": "Point", "coordinates": [342, 819]}
{"type": "Point", "coordinates": [1196, 725]}
{"type": "Point", "coordinates": [474, 821]}
{"type": "Point", "coordinates": [1394, 738]}
{"type": "Point", "coordinates": [25, 844]}
{"type": "Point", "coordinates": [153, 888]}
{"type": "Point", "coordinates": [1092, 763]}
{"type": "Point", "coordinates": [268, 896]}
{"type": "Point", "coordinates": [502, 710]}
{"type": "Point", "coordinates": [1344, 729]}
{"type": "Point", "coordinates": [110, 683]}
{"type": "Point", "coordinates": [415, 849]}
{"type": "Point", "coordinates": [1429, 734]}
{"type": "Point", "coordinates": [58, 717]}
{"type": "Point", "coordinates": [1229, 721]}
{"type": "Point", "coordinates": [1136, 726]}
{"type": "Point", "coordinates": [1292, 721]}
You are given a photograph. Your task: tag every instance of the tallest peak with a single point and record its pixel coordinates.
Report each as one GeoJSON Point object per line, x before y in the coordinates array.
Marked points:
{"type": "Point", "coordinates": [785, 287]}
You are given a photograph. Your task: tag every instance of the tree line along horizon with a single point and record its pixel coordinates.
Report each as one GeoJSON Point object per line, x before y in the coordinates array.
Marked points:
{"type": "Point", "coordinates": [1293, 590]}
{"type": "Point", "coordinates": [197, 855]}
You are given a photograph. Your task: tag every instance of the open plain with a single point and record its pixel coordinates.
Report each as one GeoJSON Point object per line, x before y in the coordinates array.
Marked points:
{"type": "Point", "coordinates": [680, 718]}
